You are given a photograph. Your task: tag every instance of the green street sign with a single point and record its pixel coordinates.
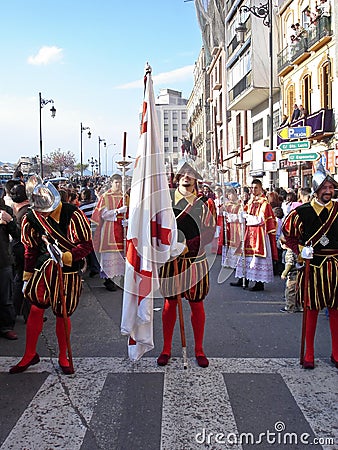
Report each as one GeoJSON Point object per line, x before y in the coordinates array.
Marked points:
{"type": "Point", "coordinates": [303, 156]}
{"type": "Point", "coordinates": [301, 145]}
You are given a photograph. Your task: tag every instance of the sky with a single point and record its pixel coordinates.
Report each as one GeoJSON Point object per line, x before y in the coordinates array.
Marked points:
{"type": "Point", "coordinates": [88, 57]}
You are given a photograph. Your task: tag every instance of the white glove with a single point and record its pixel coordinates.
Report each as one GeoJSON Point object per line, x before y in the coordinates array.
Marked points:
{"type": "Point", "coordinates": [307, 252]}
{"type": "Point", "coordinates": [109, 215]}
{"type": "Point", "coordinates": [24, 287]}
{"type": "Point", "coordinates": [217, 232]}
{"type": "Point", "coordinates": [254, 220]}
{"type": "Point", "coordinates": [122, 210]}
{"type": "Point", "coordinates": [55, 253]}
{"type": "Point", "coordinates": [242, 216]}
{"type": "Point", "coordinates": [125, 223]}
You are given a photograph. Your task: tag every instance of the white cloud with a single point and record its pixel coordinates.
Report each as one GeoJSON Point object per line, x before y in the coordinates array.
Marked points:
{"type": "Point", "coordinates": [46, 55]}
{"type": "Point", "coordinates": [165, 78]}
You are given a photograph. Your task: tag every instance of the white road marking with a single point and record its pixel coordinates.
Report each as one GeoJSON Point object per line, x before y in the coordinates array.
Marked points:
{"type": "Point", "coordinates": [191, 398]}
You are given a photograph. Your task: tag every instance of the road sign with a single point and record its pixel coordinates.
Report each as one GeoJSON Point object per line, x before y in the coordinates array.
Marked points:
{"type": "Point", "coordinates": [295, 132]}
{"type": "Point", "coordinates": [269, 156]}
{"type": "Point", "coordinates": [301, 145]}
{"type": "Point", "coordinates": [303, 156]}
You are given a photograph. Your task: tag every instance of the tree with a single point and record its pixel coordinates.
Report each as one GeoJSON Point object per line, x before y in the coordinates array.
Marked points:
{"type": "Point", "coordinates": [60, 161]}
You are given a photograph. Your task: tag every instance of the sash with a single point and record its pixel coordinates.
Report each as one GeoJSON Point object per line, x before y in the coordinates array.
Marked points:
{"type": "Point", "coordinates": [52, 233]}
{"type": "Point", "coordinates": [315, 238]}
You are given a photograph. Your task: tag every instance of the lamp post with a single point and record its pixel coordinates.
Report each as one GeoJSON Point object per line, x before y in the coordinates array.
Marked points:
{"type": "Point", "coordinates": [106, 147]}
{"type": "Point", "coordinates": [82, 128]}
{"type": "Point", "coordinates": [42, 103]}
{"type": "Point", "coordinates": [100, 140]}
{"type": "Point", "coordinates": [263, 12]}
{"type": "Point", "coordinates": [93, 162]}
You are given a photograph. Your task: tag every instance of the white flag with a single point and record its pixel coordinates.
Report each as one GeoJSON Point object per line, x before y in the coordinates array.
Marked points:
{"type": "Point", "coordinates": [152, 231]}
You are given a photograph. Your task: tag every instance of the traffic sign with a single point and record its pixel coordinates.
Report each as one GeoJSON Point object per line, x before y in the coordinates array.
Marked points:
{"type": "Point", "coordinates": [301, 145]}
{"type": "Point", "coordinates": [303, 156]}
{"type": "Point", "coordinates": [295, 132]}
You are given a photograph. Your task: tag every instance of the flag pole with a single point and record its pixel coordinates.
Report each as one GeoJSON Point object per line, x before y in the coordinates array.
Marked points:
{"type": "Point", "coordinates": [124, 166]}
{"type": "Point", "coordinates": [306, 302]}
{"type": "Point", "coordinates": [180, 315]}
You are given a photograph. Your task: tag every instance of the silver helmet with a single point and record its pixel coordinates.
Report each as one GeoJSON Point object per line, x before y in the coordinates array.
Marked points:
{"type": "Point", "coordinates": [45, 197]}
{"type": "Point", "coordinates": [320, 176]}
{"type": "Point", "coordinates": [32, 181]}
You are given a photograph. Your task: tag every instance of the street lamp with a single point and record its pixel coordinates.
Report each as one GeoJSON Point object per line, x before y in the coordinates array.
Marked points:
{"type": "Point", "coordinates": [82, 128]}
{"type": "Point", "coordinates": [100, 140]}
{"type": "Point", "coordinates": [42, 103]}
{"type": "Point", "coordinates": [106, 147]}
{"type": "Point", "coordinates": [93, 162]}
{"type": "Point", "coordinates": [263, 12]}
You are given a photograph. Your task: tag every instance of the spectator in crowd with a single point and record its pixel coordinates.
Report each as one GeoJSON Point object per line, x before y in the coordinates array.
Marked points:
{"type": "Point", "coordinates": [303, 112]}
{"type": "Point", "coordinates": [296, 113]}
{"type": "Point", "coordinates": [87, 206]}
{"type": "Point", "coordinates": [8, 229]}
{"type": "Point", "coordinates": [20, 207]}
{"type": "Point", "coordinates": [290, 275]}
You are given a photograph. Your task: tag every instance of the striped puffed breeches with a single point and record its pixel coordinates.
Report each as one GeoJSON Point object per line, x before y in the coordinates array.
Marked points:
{"type": "Point", "coordinates": [322, 286]}
{"type": "Point", "coordinates": [192, 280]}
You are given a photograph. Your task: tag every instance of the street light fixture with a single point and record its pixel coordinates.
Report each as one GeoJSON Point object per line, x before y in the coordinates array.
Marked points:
{"type": "Point", "coordinates": [42, 103]}
{"type": "Point", "coordinates": [263, 12]}
{"type": "Point", "coordinates": [93, 162]}
{"type": "Point", "coordinates": [100, 140]}
{"type": "Point", "coordinates": [82, 128]}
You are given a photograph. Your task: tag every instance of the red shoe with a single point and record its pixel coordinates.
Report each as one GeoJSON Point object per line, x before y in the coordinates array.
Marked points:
{"type": "Point", "coordinates": [202, 361]}
{"type": "Point", "coordinates": [334, 361]}
{"type": "Point", "coordinates": [66, 369]}
{"type": "Point", "coordinates": [19, 369]}
{"type": "Point", "coordinates": [163, 359]}
{"type": "Point", "coordinates": [10, 335]}
{"type": "Point", "coordinates": [309, 365]}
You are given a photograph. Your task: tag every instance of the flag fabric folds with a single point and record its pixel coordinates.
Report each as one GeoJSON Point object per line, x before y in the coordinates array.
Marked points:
{"type": "Point", "coordinates": [152, 231]}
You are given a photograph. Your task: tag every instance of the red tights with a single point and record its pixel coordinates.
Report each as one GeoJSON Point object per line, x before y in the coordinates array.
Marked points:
{"type": "Point", "coordinates": [33, 330]}
{"type": "Point", "coordinates": [311, 323]}
{"type": "Point", "coordinates": [169, 316]}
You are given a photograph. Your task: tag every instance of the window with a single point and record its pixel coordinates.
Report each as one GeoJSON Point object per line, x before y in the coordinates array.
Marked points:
{"type": "Point", "coordinates": [175, 127]}
{"type": "Point", "coordinates": [166, 139]}
{"type": "Point", "coordinates": [257, 130]}
{"type": "Point", "coordinates": [174, 114]}
{"type": "Point", "coordinates": [175, 139]}
{"type": "Point", "coordinates": [166, 115]}
{"type": "Point", "coordinates": [326, 85]}
{"type": "Point", "coordinates": [184, 115]}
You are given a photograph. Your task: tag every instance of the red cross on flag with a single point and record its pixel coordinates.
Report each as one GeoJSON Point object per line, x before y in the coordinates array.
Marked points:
{"type": "Point", "coordinates": [152, 231]}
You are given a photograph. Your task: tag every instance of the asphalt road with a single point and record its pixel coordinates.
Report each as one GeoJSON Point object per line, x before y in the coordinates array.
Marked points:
{"type": "Point", "coordinates": [254, 394]}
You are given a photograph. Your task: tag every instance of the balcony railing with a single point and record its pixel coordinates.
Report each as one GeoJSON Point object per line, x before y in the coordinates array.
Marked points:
{"type": "Point", "coordinates": [320, 31]}
{"type": "Point", "coordinates": [321, 123]}
{"type": "Point", "coordinates": [240, 87]}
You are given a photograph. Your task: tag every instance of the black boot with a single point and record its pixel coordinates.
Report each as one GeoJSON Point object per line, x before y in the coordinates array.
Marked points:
{"type": "Point", "coordinates": [239, 283]}
{"type": "Point", "coordinates": [259, 286]}
{"type": "Point", "coordinates": [110, 285]}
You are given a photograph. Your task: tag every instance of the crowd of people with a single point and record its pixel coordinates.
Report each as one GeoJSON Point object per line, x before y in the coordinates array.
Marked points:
{"type": "Point", "coordinates": [258, 234]}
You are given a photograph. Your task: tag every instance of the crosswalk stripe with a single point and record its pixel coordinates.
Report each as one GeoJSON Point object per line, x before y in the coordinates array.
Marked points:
{"type": "Point", "coordinates": [61, 411]}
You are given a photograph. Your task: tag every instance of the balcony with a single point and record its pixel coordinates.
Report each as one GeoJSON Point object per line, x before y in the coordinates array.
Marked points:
{"type": "Point", "coordinates": [321, 123]}
{"type": "Point", "coordinates": [319, 35]}
{"type": "Point", "coordinates": [284, 65]}
{"type": "Point", "coordinates": [299, 51]}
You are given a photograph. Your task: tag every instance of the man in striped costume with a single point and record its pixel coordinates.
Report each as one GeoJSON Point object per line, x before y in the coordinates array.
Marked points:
{"type": "Point", "coordinates": [49, 221]}
{"type": "Point", "coordinates": [315, 224]}
{"type": "Point", "coordinates": [196, 227]}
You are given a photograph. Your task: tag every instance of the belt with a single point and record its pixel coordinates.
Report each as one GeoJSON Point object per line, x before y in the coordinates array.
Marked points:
{"type": "Point", "coordinates": [327, 252]}
{"type": "Point", "coordinates": [194, 259]}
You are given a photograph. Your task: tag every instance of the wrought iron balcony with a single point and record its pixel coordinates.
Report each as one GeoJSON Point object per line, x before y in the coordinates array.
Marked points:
{"type": "Point", "coordinates": [321, 123]}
